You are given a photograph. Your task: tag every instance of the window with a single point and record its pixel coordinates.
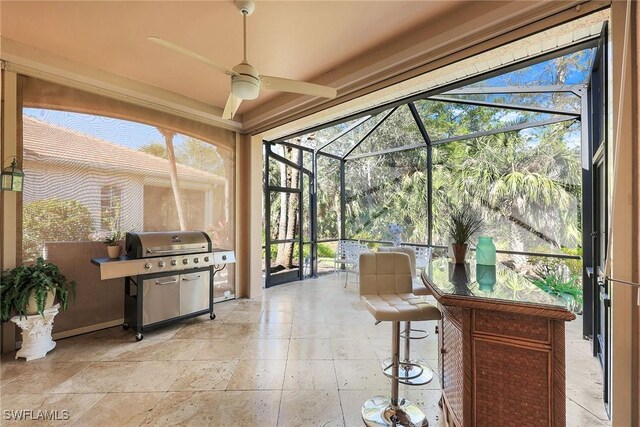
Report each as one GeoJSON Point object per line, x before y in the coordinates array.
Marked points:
{"type": "Point", "coordinates": [110, 207]}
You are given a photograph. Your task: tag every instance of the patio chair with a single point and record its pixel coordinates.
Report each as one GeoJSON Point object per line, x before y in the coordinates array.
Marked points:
{"type": "Point", "coordinates": [423, 256]}
{"type": "Point", "coordinates": [340, 258]}
{"type": "Point", "coordinates": [352, 256]}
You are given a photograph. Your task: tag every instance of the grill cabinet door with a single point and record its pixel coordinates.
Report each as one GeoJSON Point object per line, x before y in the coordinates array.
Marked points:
{"type": "Point", "coordinates": [194, 292]}
{"type": "Point", "coordinates": [160, 299]}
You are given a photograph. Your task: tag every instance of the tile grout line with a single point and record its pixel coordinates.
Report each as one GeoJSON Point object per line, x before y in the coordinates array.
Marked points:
{"type": "Point", "coordinates": [150, 410]}
{"type": "Point", "coordinates": [284, 374]}
{"type": "Point", "coordinates": [607, 422]}
{"type": "Point", "coordinates": [335, 372]}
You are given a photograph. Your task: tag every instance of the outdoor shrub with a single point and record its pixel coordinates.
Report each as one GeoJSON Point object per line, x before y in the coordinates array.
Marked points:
{"type": "Point", "coordinates": [53, 220]}
{"type": "Point", "coordinates": [326, 251]}
{"type": "Point", "coordinates": [546, 265]}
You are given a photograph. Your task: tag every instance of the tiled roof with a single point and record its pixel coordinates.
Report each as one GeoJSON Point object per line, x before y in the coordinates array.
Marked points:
{"type": "Point", "coordinates": [47, 143]}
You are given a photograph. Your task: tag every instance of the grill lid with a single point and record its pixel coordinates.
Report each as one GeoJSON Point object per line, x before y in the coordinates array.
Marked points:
{"type": "Point", "coordinates": [153, 244]}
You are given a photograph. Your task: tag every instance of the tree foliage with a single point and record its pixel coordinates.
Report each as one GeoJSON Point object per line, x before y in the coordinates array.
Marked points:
{"type": "Point", "coordinates": [192, 152]}
{"type": "Point", "coordinates": [155, 149]}
{"type": "Point", "coordinates": [53, 220]}
{"type": "Point", "coordinates": [526, 183]}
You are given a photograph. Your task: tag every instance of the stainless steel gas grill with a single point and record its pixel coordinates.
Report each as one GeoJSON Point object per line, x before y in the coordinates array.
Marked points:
{"type": "Point", "coordinates": [168, 277]}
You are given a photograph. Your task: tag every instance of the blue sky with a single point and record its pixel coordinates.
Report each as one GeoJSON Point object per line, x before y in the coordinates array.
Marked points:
{"type": "Point", "coordinates": [543, 73]}
{"type": "Point", "coordinates": [123, 132]}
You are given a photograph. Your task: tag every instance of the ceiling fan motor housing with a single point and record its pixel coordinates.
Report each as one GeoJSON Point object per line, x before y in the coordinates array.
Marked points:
{"type": "Point", "coordinates": [246, 7]}
{"type": "Point", "coordinates": [245, 84]}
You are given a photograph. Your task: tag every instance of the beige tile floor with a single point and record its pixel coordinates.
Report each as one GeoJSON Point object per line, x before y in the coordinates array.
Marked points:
{"type": "Point", "coordinates": [306, 355]}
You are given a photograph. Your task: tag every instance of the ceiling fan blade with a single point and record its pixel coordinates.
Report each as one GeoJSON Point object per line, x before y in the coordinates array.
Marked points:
{"type": "Point", "coordinates": [233, 103]}
{"type": "Point", "coordinates": [295, 86]}
{"type": "Point", "coordinates": [187, 52]}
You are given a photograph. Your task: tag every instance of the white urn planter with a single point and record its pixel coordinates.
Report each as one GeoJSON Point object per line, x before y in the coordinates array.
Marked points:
{"type": "Point", "coordinates": [32, 305]}
{"type": "Point", "coordinates": [36, 333]}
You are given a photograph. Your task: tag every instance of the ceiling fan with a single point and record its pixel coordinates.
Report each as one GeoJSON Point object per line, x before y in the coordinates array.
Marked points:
{"type": "Point", "coordinates": [245, 80]}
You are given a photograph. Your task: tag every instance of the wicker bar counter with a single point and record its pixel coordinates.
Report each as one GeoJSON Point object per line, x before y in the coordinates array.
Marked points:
{"type": "Point", "coordinates": [502, 347]}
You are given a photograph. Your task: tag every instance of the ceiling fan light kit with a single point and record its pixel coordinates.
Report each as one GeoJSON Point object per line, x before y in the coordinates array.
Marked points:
{"type": "Point", "coordinates": [245, 80]}
{"type": "Point", "coordinates": [245, 84]}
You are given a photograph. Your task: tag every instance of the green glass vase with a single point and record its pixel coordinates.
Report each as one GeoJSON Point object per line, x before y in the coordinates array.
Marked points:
{"type": "Point", "coordinates": [485, 251]}
{"type": "Point", "coordinates": [486, 277]}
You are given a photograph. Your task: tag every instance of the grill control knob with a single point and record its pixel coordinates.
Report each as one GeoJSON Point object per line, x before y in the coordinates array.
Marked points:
{"type": "Point", "coordinates": [185, 261]}
{"type": "Point", "coordinates": [147, 265]}
{"type": "Point", "coordinates": [196, 260]}
{"type": "Point", "coordinates": [206, 259]}
{"type": "Point", "coordinates": [161, 264]}
{"type": "Point", "coordinates": [174, 262]}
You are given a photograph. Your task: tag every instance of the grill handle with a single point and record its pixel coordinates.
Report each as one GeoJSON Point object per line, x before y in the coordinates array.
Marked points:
{"type": "Point", "coordinates": [187, 279]}
{"type": "Point", "coordinates": [172, 251]}
{"type": "Point", "coordinates": [168, 282]}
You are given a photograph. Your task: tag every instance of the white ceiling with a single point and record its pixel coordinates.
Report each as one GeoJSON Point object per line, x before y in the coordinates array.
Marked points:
{"type": "Point", "coordinates": [302, 40]}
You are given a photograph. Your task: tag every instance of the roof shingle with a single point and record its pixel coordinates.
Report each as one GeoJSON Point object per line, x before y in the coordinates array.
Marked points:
{"type": "Point", "coordinates": [47, 143]}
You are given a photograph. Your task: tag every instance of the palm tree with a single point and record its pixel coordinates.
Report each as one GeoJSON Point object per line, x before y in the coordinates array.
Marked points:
{"type": "Point", "coordinates": [173, 172]}
{"type": "Point", "coordinates": [530, 179]}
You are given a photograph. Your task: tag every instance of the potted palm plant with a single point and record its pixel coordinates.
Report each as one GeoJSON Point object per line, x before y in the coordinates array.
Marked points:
{"type": "Point", "coordinates": [462, 224]}
{"type": "Point", "coordinates": [113, 244]}
{"type": "Point", "coordinates": [31, 289]}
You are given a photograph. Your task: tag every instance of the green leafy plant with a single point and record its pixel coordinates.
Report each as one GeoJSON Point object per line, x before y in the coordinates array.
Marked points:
{"type": "Point", "coordinates": [568, 290]}
{"type": "Point", "coordinates": [462, 224]}
{"type": "Point", "coordinates": [114, 239]}
{"type": "Point", "coordinates": [19, 283]}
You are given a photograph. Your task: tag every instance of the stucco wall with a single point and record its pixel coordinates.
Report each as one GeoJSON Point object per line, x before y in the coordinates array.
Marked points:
{"type": "Point", "coordinates": [84, 185]}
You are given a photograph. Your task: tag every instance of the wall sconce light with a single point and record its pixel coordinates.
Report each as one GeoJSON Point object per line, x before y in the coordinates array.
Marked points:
{"type": "Point", "coordinates": [12, 177]}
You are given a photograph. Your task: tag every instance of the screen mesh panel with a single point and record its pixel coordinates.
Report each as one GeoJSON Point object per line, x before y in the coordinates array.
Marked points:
{"type": "Point", "coordinates": [524, 185]}
{"type": "Point", "coordinates": [387, 190]}
{"type": "Point", "coordinates": [96, 166]}
{"type": "Point", "coordinates": [328, 198]}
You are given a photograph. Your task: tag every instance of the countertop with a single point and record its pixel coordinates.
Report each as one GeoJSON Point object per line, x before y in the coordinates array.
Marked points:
{"type": "Point", "coordinates": [457, 285]}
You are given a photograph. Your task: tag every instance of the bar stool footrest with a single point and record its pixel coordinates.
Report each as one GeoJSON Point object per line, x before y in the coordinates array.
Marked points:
{"type": "Point", "coordinates": [422, 334]}
{"type": "Point", "coordinates": [378, 412]}
{"type": "Point", "coordinates": [406, 370]}
{"type": "Point", "coordinates": [417, 374]}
